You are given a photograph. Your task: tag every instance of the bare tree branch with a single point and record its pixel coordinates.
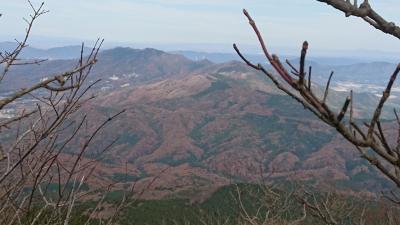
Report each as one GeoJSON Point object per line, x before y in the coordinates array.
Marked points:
{"type": "Point", "coordinates": [385, 158]}
{"type": "Point", "coordinates": [367, 13]}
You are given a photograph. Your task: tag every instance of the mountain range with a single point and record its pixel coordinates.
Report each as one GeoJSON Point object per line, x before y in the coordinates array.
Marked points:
{"type": "Point", "coordinates": [65, 52]}
{"type": "Point", "coordinates": [347, 69]}
{"type": "Point", "coordinates": [199, 125]}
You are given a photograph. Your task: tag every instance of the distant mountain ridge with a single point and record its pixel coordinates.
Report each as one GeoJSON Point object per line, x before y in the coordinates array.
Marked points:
{"type": "Point", "coordinates": [122, 65]}
{"type": "Point", "coordinates": [65, 52]}
{"type": "Point", "coordinates": [346, 69]}
{"type": "Point", "coordinates": [326, 60]}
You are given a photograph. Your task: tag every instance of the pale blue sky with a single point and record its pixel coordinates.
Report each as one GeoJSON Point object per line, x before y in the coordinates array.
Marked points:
{"type": "Point", "coordinates": [284, 23]}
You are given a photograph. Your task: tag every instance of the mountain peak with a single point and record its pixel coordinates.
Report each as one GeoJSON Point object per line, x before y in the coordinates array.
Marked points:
{"type": "Point", "coordinates": [130, 52]}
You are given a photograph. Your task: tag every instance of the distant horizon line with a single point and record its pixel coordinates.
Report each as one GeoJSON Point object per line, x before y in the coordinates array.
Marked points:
{"type": "Point", "coordinates": [223, 48]}
{"type": "Point", "coordinates": [47, 42]}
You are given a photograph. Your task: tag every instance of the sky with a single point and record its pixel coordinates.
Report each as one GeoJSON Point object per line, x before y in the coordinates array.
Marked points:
{"type": "Point", "coordinates": [209, 25]}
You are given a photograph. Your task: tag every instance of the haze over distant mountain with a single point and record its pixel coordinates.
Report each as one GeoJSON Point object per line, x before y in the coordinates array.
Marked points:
{"type": "Point", "coordinates": [65, 52]}
{"type": "Point", "coordinates": [226, 57]}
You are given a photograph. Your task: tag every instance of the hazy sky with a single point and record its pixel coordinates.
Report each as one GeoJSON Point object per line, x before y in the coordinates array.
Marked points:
{"type": "Point", "coordinates": [284, 23]}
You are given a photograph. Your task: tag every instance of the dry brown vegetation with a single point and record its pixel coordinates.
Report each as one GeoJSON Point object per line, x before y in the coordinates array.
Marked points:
{"type": "Point", "coordinates": [42, 180]}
